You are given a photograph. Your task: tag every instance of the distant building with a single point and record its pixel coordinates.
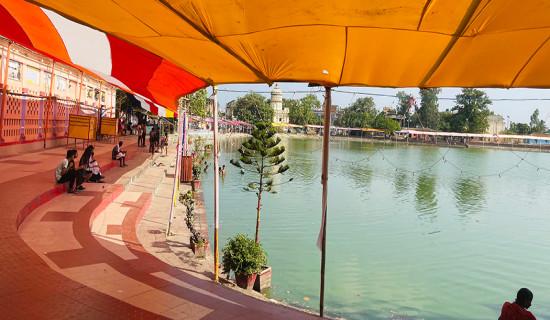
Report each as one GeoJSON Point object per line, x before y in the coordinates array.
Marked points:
{"type": "Point", "coordinates": [280, 112]}
{"type": "Point", "coordinates": [392, 114]}
{"type": "Point", "coordinates": [229, 108]}
{"type": "Point", "coordinates": [496, 124]}
{"type": "Point", "coordinates": [335, 113]}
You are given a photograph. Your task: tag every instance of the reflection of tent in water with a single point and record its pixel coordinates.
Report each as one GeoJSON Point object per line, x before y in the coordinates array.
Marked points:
{"type": "Point", "coordinates": [400, 43]}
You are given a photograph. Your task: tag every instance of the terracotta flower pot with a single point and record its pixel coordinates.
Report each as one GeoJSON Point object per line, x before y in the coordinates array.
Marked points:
{"type": "Point", "coordinates": [245, 281]}
{"type": "Point", "coordinates": [199, 251]}
{"type": "Point", "coordinates": [195, 184]}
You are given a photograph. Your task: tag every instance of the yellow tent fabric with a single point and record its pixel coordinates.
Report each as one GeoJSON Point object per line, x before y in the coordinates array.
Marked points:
{"type": "Point", "coordinates": [388, 43]}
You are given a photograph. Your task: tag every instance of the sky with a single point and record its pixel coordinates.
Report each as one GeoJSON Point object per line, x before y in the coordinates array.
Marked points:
{"type": "Point", "coordinates": [519, 110]}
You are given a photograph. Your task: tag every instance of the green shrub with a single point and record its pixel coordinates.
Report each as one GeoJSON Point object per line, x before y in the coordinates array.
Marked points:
{"type": "Point", "coordinates": [196, 172]}
{"type": "Point", "coordinates": [187, 200]}
{"type": "Point", "coordinates": [243, 255]}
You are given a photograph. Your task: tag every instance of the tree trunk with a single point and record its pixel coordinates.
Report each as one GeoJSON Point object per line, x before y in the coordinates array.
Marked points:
{"type": "Point", "coordinates": [258, 218]}
{"type": "Point", "coordinates": [260, 189]}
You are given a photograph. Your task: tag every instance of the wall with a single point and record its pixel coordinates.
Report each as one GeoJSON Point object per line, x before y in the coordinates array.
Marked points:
{"type": "Point", "coordinates": [29, 112]}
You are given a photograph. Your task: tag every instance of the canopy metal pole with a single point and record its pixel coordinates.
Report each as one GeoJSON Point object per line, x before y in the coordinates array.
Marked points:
{"type": "Point", "coordinates": [324, 182]}
{"type": "Point", "coordinates": [4, 89]}
{"type": "Point", "coordinates": [48, 107]}
{"type": "Point", "coordinates": [97, 127]}
{"type": "Point", "coordinates": [216, 184]}
{"type": "Point", "coordinates": [181, 122]}
{"type": "Point", "coordinates": [79, 93]}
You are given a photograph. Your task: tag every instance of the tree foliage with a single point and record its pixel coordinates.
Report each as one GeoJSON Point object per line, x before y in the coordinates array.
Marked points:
{"type": "Point", "coordinates": [385, 123]}
{"type": "Point", "coordinates": [519, 128]}
{"type": "Point", "coordinates": [360, 114]}
{"type": "Point", "coordinates": [301, 111]}
{"type": "Point", "coordinates": [253, 108]}
{"type": "Point", "coordinates": [471, 111]}
{"type": "Point", "coordinates": [262, 156]}
{"type": "Point", "coordinates": [537, 125]}
{"type": "Point", "coordinates": [445, 119]}
{"type": "Point", "coordinates": [428, 113]}
{"type": "Point", "coordinates": [403, 104]}
{"type": "Point", "coordinates": [198, 104]}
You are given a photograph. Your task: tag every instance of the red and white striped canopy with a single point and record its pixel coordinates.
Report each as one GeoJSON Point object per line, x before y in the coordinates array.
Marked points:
{"type": "Point", "coordinates": [156, 82]}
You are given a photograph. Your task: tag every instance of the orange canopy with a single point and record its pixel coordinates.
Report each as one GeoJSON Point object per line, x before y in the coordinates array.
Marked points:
{"type": "Point", "coordinates": [388, 43]}
{"type": "Point", "coordinates": [156, 82]}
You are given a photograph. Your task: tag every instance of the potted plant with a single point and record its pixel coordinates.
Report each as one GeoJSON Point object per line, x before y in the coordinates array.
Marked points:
{"type": "Point", "coordinates": [208, 147]}
{"type": "Point", "coordinates": [198, 244]}
{"type": "Point", "coordinates": [245, 258]}
{"type": "Point", "coordinates": [196, 179]}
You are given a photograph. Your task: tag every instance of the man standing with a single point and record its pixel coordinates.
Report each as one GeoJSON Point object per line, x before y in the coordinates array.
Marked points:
{"type": "Point", "coordinates": [140, 135]}
{"type": "Point", "coordinates": [143, 133]}
{"type": "Point", "coordinates": [65, 171]}
{"type": "Point", "coordinates": [518, 309]}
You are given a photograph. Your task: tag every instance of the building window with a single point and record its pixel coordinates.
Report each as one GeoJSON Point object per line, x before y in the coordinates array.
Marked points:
{"type": "Point", "coordinates": [47, 80]}
{"type": "Point", "coordinates": [32, 76]}
{"type": "Point", "coordinates": [14, 70]}
{"type": "Point", "coordinates": [89, 92]}
{"type": "Point", "coordinates": [61, 83]}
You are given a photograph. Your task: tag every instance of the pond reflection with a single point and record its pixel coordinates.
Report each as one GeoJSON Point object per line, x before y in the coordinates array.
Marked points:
{"type": "Point", "coordinates": [425, 197]}
{"type": "Point", "coordinates": [470, 196]}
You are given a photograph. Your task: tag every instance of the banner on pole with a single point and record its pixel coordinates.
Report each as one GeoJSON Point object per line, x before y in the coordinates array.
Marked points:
{"type": "Point", "coordinates": [109, 126]}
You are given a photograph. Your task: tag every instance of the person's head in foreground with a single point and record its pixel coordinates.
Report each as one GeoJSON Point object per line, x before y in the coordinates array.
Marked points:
{"type": "Point", "coordinates": [524, 298]}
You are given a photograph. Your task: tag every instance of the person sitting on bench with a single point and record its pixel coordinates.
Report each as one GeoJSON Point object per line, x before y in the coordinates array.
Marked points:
{"type": "Point", "coordinates": [119, 155]}
{"type": "Point", "coordinates": [66, 172]}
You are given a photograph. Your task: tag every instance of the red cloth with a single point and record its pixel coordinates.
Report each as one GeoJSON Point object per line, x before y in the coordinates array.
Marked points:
{"type": "Point", "coordinates": [513, 311]}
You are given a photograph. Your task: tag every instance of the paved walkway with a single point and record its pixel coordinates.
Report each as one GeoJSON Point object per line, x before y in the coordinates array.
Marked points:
{"type": "Point", "coordinates": [30, 288]}
{"type": "Point", "coordinates": [81, 255]}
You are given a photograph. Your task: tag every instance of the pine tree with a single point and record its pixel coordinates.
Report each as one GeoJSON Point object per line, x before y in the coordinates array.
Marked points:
{"type": "Point", "coordinates": [261, 155]}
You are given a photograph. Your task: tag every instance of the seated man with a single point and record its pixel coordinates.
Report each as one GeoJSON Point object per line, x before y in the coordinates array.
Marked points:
{"type": "Point", "coordinates": [65, 171]}
{"type": "Point", "coordinates": [119, 155]}
{"type": "Point", "coordinates": [518, 309]}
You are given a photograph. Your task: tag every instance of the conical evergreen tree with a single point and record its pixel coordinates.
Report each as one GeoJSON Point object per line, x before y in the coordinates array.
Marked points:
{"type": "Point", "coordinates": [261, 155]}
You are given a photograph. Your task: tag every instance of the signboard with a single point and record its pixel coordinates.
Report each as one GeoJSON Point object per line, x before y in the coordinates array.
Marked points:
{"type": "Point", "coordinates": [80, 127]}
{"type": "Point", "coordinates": [109, 126]}
{"type": "Point", "coordinates": [93, 127]}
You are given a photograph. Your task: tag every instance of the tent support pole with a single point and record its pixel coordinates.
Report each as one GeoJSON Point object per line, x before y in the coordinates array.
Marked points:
{"type": "Point", "coordinates": [48, 106]}
{"type": "Point", "coordinates": [4, 90]}
{"type": "Point", "coordinates": [324, 182]}
{"type": "Point", "coordinates": [79, 93]}
{"type": "Point", "coordinates": [216, 182]}
{"type": "Point", "coordinates": [181, 121]}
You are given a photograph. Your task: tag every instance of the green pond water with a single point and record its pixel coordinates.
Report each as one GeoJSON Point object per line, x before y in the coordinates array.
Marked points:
{"type": "Point", "coordinates": [433, 244]}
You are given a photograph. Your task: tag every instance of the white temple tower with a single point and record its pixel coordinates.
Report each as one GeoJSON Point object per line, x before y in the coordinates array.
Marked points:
{"type": "Point", "coordinates": [280, 113]}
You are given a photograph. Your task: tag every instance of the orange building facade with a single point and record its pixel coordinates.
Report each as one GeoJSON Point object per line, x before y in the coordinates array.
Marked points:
{"type": "Point", "coordinates": [41, 94]}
